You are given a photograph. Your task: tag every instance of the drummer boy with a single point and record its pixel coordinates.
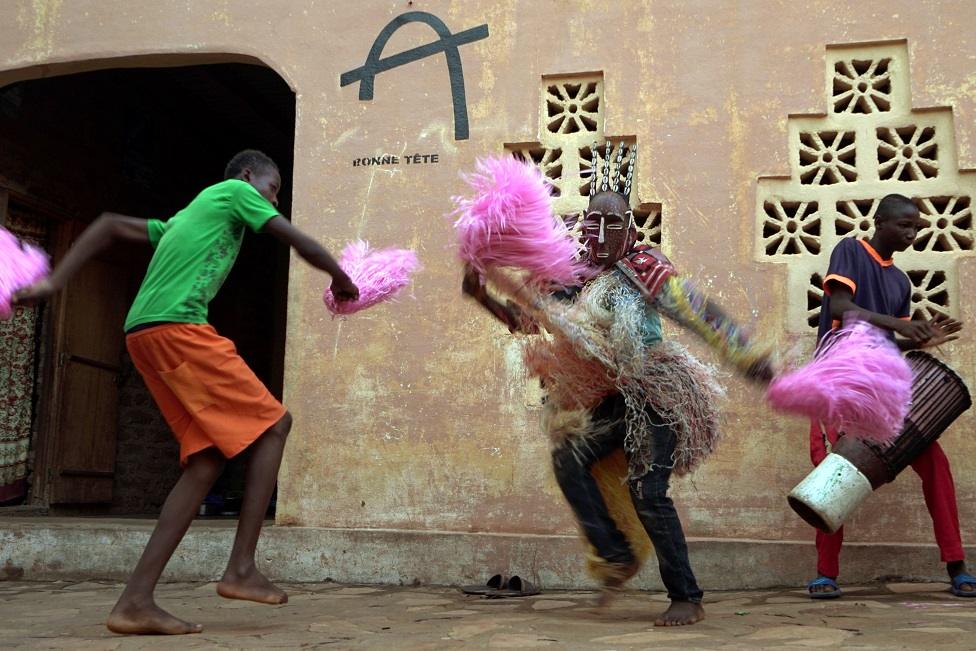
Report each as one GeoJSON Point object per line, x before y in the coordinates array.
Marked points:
{"type": "Point", "coordinates": [863, 278]}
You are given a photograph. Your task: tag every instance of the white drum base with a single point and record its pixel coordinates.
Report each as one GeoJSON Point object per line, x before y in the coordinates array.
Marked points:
{"type": "Point", "coordinates": [830, 493]}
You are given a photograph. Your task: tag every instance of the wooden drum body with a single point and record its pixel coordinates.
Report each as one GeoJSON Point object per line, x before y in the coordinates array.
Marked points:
{"type": "Point", "coordinates": [856, 467]}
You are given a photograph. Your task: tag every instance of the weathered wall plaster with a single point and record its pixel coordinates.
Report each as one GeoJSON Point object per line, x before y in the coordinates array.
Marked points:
{"type": "Point", "coordinates": [416, 415]}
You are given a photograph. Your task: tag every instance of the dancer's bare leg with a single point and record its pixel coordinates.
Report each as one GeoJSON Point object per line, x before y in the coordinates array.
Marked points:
{"type": "Point", "coordinates": [136, 611]}
{"type": "Point", "coordinates": [241, 579]}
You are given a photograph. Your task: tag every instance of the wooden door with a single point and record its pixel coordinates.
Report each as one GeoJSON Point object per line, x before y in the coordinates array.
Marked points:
{"type": "Point", "coordinates": [87, 354]}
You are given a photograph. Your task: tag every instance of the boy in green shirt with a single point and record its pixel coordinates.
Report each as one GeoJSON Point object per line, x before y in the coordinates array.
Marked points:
{"type": "Point", "coordinates": [212, 401]}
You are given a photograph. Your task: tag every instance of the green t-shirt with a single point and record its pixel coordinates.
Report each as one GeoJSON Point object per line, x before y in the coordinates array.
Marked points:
{"type": "Point", "coordinates": [195, 250]}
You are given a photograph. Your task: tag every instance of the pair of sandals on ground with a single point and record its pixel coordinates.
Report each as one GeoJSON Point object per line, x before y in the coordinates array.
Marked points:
{"type": "Point", "coordinates": [500, 587]}
{"type": "Point", "coordinates": [824, 587]}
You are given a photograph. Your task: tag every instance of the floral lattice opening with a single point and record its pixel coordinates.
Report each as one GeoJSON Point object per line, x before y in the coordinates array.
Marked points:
{"type": "Point", "coordinates": [827, 157]}
{"type": "Point", "coordinates": [907, 154]}
{"type": "Point", "coordinates": [573, 107]}
{"type": "Point", "coordinates": [862, 86]}
{"type": "Point", "coordinates": [948, 224]}
{"type": "Point", "coordinates": [930, 293]}
{"type": "Point", "coordinates": [791, 227]}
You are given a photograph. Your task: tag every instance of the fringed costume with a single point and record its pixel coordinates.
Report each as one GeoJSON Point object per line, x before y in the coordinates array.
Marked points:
{"type": "Point", "coordinates": [625, 356]}
{"type": "Point", "coordinates": [624, 409]}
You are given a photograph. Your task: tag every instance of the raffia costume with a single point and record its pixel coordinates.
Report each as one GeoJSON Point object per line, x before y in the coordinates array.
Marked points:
{"type": "Point", "coordinates": [624, 408]}
{"type": "Point", "coordinates": [600, 348]}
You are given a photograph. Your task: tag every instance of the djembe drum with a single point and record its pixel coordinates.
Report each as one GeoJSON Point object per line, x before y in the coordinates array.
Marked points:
{"type": "Point", "coordinates": [856, 467]}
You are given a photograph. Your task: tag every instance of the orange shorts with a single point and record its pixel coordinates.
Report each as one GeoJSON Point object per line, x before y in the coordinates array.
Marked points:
{"type": "Point", "coordinates": [207, 393]}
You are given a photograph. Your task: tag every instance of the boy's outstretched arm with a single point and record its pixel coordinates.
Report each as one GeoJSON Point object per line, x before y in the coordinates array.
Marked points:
{"type": "Point", "coordinates": [107, 228]}
{"type": "Point", "coordinates": [315, 254]}
{"type": "Point", "coordinates": [917, 334]}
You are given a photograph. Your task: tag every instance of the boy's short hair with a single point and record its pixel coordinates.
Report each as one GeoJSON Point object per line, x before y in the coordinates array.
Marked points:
{"type": "Point", "coordinates": [894, 205]}
{"type": "Point", "coordinates": [256, 160]}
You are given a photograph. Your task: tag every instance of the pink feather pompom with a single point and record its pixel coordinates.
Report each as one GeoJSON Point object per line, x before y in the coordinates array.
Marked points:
{"type": "Point", "coordinates": [379, 275]}
{"type": "Point", "coordinates": [21, 265]}
{"type": "Point", "coordinates": [509, 222]}
{"type": "Point", "coordinates": [858, 383]}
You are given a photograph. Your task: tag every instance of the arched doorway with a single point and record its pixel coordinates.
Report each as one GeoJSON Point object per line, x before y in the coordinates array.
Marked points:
{"type": "Point", "coordinates": [140, 141]}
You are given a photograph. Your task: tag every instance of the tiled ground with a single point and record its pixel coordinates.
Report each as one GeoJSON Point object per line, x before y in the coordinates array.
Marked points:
{"type": "Point", "coordinates": [882, 617]}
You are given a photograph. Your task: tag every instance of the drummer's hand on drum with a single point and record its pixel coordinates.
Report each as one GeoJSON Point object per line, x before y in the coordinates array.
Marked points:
{"type": "Point", "coordinates": [946, 328]}
{"type": "Point", "coordinates": [917, 331]}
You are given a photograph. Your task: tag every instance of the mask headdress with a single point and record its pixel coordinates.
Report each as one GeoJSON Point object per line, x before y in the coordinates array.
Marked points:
{"type": "Point", "coordinates": [631, 164]}
{"type": "Point", "coordinates": [610, 173]}
{"type": "Point", "coordinates": [616, 172]}
{"type": "Point", "coordinates": [593, 164]}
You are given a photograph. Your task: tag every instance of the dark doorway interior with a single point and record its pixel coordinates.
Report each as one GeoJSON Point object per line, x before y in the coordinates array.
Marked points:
{"type": "Point", "coordinates": [141, 142]}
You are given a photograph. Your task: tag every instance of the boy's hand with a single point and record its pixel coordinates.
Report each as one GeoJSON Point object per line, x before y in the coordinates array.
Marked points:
{"type": "Point", "coordinates": [343, 288]}
{"type": "Point", "coordinates": [946, 328]}
{"type": "Point", "coordinates": [36, 293]}
{"type": "Point", "coordinates": [919, 332]}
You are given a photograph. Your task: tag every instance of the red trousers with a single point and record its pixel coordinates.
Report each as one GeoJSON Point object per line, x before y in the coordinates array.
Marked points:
{"type": "Point", "coordinates": [932, 467]}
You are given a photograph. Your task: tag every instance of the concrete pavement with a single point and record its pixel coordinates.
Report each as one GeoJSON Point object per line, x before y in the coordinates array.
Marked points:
{"type": "Point", "coordinates": [881, 616]}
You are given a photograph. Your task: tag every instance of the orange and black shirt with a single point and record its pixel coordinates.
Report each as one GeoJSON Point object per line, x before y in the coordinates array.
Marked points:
{"type": "Point", "coordinates": [877, 284]}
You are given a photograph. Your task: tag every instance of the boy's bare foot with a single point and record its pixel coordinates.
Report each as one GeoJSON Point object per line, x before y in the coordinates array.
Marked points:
{"type": "Point", "coordinates": [681, 613]}
{"type": "Point", "coordinates": [250, 586]}
{"type": "Point", "coordinates": [130, 618]}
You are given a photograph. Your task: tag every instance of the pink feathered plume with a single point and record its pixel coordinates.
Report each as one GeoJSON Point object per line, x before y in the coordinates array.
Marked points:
{"type": "Point", "coordinates": [21, 265]}
{"type": "Point", "coordinates": [379, 275]}
{"type": "Point", "coordinates": [509, 222]}
{"type": "Point", "coordinates": [858, 383]}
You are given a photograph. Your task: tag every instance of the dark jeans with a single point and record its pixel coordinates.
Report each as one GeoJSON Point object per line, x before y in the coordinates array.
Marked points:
{"type": "Point", "coordinates": [649, 494]}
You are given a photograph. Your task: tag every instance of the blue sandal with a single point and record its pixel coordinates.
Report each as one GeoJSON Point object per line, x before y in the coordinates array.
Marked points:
{"type": "Point", "coordinates": [829, 582]}
{"type": "Point", "coordinates": [959, 580]}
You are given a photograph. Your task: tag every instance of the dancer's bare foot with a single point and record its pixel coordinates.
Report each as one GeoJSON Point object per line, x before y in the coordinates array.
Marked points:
{"type": "Point", "coordinates": [250, 586]}
{"type": "Point", "coordinates": [681, 613]}
{"type": "Point", "coordinates": [132, 618]}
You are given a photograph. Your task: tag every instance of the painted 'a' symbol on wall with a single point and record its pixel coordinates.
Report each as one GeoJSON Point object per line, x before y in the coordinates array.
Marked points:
{"type": "Point", "coordinates": [448, 44]}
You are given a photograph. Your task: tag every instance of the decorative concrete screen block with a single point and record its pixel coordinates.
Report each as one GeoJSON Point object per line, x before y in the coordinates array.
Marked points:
{"type": "Point", "coordinates": [948, 224]}
{"type": "Point", "coordinates": [827, 157]}
{"type": "Point", "coordinates": [573, 105]}
{"type": "Point", "coordinates": [855, 217]}
{"type": "Point", "coordinates": [550, 161]}
{"type": "Point", "coordinates": [930, 292]}
{"type": "Point", "coordinates": [571, 119]}
{"type": "Point", "coordinates": [791, 227]}
{"type": "Point", "coordinates": [814, 298]}
{"type": "Point", "coordinates": [861, 85]}
{"type": "Point", "coordinates": [870, 143]}
{"type": "Point", "coordinates": [647, 216]}
{"type": "Point", "coordinates": [909, 153]}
